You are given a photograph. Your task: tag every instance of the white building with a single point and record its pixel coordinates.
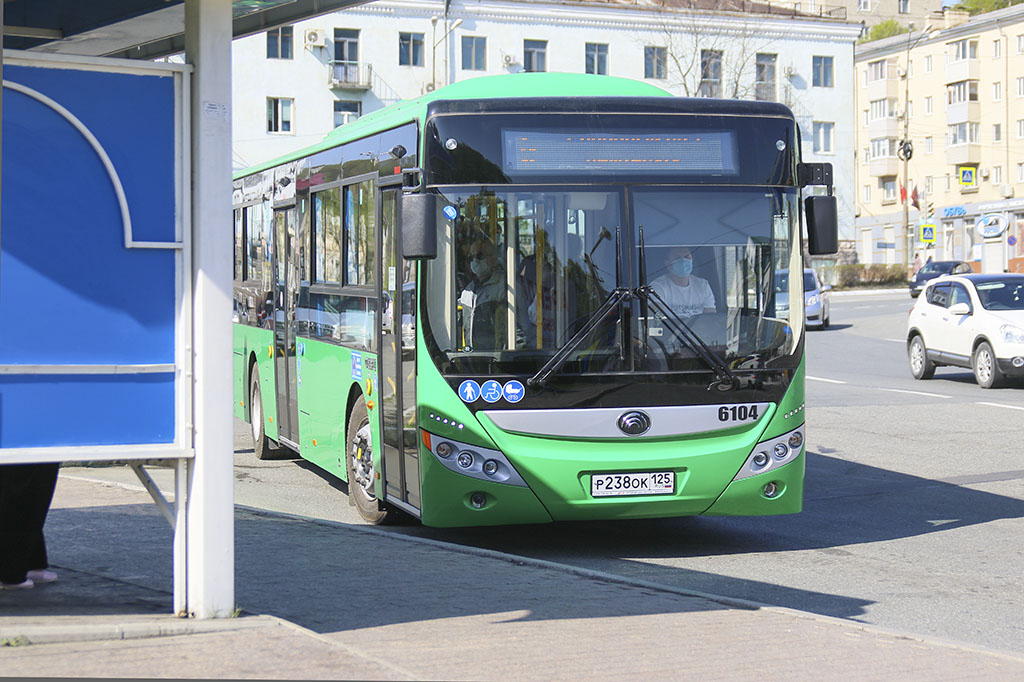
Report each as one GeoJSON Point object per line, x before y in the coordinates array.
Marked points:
{"type": "Point", "coordinates": [294, 84]}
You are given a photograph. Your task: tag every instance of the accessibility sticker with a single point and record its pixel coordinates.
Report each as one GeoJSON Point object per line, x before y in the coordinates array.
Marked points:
{"type": "Point", "coordinates": [514, 391]}
{"type": "Point", "coordinates": [357, 366]}
{"type": "Point", "coordinates": [491, 391]}
{"type": "Point", "coordinates": [469, 391]}
{"type": "Point", "coordinates": [450, 212]}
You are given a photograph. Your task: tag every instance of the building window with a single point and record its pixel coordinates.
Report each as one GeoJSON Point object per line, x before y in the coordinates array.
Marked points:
{"type": "Point", "coordinates": [997, 132]}
{"type": "Point", "coordinates": [279, 114]}
{"type": "Point", "coordinates": [1020, 44]}
{"type": "Point", "coordinates": [821, 72]}
{"type": "Point", "coordinates": [867, 194]}
{"type": "Point", "coordinates": [764, 77]}
{"type": "Point", "coordinates": [535, 55]}
{"type": "Point", "coordinates": [710, 73]}
{"type": "Point", "coordinates": [947, 182]}
{"type": "Point", "coordinates": [346, 112]}
{"type": "Point", "coordinates": [997, 175]}
{"type": "Point", "coordinates": [963, 49]}
{"type": "Point", "coordinates": [964, 91]}
{"type": "Point", "coordinates": [279, 43]}
{"type": "Point", "coordinates": [888, 186]}
{"type": "Point", "coordinates": [655, 62]}
{"type": "Point", "coordinates": [864, 5]}
{"type": "Point", "coordinates": [903, 7]}
{"type": "Point", "coordinates": [929, 147]}
{"type": "Point", "coordinates": [928, 64]}
{"type": "Point", "coordinates": [596, 56]}
{"type": "Point", "coordinates": [928, 185]}
{"type": "Point", "coordinates": [823, 131]}
{"type": "Point", "coordinates": [877, 70]}
{"type": "Point", "coordinates": [410, 49]}
{"type": "Point", "coordinates": [883, 147]}
{"type": "Point", "coordinates": [997, 91]}
{"type": "Point", "coordinates": [882, 108]}
{"type": "Point", "coordinates": [866, 155]}
{"type": "Point", "coordinates": [997, 49]}
{"type": "Point", "coordinates": [928, 104]}
{"type": "Point", "coordinates": [474, 53]}
{"type": "Point", "coordinates": [962, 133]}
{"type": "Point", "coordinates": [1020, 128]}
{"type": "Point", "coordinates": [1020, 87]}
{"type": "Point", "coordinates": [867, 117]}
{"type": "Point", "coordinates": [345, 64]}
{"type": "Point", "coordinates": [1020, 172]}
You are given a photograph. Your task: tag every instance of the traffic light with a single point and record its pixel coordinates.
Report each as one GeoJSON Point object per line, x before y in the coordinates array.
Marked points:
{"type": "Point", "coordinates": [931, 208]}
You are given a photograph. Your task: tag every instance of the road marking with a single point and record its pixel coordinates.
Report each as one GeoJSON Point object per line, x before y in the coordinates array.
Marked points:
{"type": "Point", "coordinates": [827, 381]}
{"type": "Point", "coordinates": [1009, 407]}
{"type": "Point", "coordinates": [930, 395]}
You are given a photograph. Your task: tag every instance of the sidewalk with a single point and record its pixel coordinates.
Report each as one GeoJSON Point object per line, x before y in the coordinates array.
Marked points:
{"type": "Point", "coordinates": [324, 600]}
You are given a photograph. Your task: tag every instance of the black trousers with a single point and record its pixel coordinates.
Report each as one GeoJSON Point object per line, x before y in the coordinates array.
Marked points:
{"type": "Point", "coordinates": [26, 491]}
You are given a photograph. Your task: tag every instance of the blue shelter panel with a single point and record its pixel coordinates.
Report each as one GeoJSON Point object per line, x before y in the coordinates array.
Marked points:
{"type": "Point", "coordinates": [70, 292]}
{"type": "Point", "coordinates": [47, 411]}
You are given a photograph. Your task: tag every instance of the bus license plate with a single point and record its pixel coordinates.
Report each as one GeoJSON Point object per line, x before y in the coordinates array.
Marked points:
{"type": "Point", "coordinates": [611, 485]}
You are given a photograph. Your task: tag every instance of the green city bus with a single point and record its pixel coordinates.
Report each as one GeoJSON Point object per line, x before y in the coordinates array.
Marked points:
{"type": "Point", "coordinates": [534, 297]}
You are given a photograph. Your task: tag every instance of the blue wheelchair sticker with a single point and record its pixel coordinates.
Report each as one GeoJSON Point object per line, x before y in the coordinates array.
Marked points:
{"type": "Point", "coordinates": [357, 366]}
{"type": "Point", "coordinates": [450, 212]}
{"type": "Point", "coordinates": [491, 391]}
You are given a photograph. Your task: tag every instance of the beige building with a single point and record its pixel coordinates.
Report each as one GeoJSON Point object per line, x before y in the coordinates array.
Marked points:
{"type": "Point", "coordinates": [905, 12]}
{"type": "Point", "coordinates": [956, 94]}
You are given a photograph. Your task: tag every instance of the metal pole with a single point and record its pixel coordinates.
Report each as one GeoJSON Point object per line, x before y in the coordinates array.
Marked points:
{"type": "Point", "coordinates": [210, 513]}
{"type": "Point", "coordinates": [906, 154]}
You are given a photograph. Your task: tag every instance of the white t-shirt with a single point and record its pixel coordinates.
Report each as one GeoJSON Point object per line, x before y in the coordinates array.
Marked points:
{"type": "Point", "coordinates": [686, 301]}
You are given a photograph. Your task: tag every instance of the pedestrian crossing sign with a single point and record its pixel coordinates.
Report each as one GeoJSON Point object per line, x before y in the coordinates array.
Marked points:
{"type": "Point", "coordinates": [928, 233]}
{"type": "Point", "coordinates": [967, 176]}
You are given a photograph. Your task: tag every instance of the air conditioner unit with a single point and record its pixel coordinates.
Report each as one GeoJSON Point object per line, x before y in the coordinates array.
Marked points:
{"type": "Point", "coordinates": [790, 72]}
{"type": "Point", "coordinates": [984, 172]}
{"type": "Point", "coordinates": [429, 87]}
{"type": "Point", "coordinates": [1006, 191]}
{"type": "Point", "coordinates": [508, 60]}
{"type": "Point", "coordinates": [315, 38]}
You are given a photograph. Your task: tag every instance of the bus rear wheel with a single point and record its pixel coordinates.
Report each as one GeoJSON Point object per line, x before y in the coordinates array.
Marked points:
{"type": "Point", "coordinates": [262, 445]}
{"type": "Point", "coordinates": [360, 466]}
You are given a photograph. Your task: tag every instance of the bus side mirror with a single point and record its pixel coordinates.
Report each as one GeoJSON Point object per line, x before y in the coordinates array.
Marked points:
{"type": "Point", "coordinates": [418, 226]}
{"type": "Point", "coordinates": [822, 225]}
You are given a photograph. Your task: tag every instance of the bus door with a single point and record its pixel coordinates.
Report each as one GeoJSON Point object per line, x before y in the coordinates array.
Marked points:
{"type": "Point", "coordinates": [397, 376]}
{"type": "Point", "coordinates": [286, 292]}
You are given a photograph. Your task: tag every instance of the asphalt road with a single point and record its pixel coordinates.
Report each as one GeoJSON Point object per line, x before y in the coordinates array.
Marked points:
{"type": "Point", "coordinates": [914, 508]}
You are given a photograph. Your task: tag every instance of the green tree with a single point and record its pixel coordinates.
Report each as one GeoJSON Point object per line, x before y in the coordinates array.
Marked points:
{"type": "Point", "coordinates": [981, 6]}
{"type": "Point", "coordinates": [891, 27]}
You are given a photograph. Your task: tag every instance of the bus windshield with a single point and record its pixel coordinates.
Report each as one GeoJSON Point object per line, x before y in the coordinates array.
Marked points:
{"type": "Point", "coordinates": [522, 269]}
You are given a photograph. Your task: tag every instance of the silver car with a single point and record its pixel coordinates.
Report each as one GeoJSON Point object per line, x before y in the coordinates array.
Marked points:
{"type": "Point", "coordinates": [817, 309]}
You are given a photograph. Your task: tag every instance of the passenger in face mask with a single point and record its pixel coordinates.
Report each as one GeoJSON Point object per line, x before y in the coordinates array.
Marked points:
{"type": "Point", "coordinates": [684, 292]}
{"type": "Point", "coordinates": [483, 300]}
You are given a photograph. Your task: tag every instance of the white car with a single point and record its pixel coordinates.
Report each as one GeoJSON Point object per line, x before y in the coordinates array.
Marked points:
{"type": "Point", "coordinates": [817, 307]}
{"type": "Point", "coordinates": [972, 321]}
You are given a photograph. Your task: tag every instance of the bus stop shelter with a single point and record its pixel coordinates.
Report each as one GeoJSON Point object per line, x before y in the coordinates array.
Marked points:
{"type": "Point", "coordinates": [116, 255]}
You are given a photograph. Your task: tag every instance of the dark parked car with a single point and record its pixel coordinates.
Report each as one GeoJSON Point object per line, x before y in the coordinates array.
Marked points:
{"type": "Point", "coordinates": [935, 269]}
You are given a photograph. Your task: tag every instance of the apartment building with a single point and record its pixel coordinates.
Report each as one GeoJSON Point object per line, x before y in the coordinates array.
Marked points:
{"type": "Point", "coordinates": [870, 12]}
{"type": "Point", "coordinates": [294, 84]}
{"type": "Point", "coordinates": [956, 93]}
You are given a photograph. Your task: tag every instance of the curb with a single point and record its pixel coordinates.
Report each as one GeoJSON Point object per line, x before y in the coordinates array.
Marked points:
{"type": "Point", "coordinates": [166, 626]}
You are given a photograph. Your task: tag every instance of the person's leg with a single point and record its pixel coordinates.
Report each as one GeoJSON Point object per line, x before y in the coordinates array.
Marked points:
{"type": "Point", "coordinates": [26, 491]}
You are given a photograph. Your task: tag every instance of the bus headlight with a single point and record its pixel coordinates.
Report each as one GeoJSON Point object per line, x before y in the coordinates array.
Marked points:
{"type": "Point", "coordinates": [485, 464]}
{"type": "Point", "coordinates": [771, 454]}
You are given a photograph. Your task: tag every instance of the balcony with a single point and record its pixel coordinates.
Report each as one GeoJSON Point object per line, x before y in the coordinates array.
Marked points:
{"type": "Point", "coordinates": [885, 88]}
{"type": "Point", "coordinates": [963, 112]}
{"type": "Point", "coordinates": [346, 75]}
{"type": "Point", "coordinates": [963, 70]}
{"type": "Point", "coordinates": [890, 126]}
{"type": "Point", "coordinates": [963, 155]}
{"type": "Point", "coordinates": [882, 166]}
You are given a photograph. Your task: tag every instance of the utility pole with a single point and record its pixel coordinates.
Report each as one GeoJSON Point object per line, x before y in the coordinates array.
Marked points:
{"type": "Point", "coordinates": [906, 147]}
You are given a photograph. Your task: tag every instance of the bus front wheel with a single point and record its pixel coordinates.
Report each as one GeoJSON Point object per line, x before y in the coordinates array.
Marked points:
{"type": "Point", "coordinates": [360, 464]}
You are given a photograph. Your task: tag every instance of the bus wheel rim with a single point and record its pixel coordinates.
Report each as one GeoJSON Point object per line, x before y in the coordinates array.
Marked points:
{"type": "Point", "coordinates": [362, 466]}
{"type": "Point", "coordinates": [257, 414]}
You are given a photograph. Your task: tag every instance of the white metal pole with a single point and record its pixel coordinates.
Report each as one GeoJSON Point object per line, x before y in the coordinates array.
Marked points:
{"type": "Point", "coordinates": [210, 512]}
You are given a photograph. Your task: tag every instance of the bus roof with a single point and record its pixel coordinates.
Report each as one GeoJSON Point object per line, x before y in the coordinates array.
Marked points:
{"type": "Point", "coordinates": [520, 85]}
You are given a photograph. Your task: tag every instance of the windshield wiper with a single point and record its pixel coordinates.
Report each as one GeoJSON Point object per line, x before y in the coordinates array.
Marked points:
{"type": "Point", "coordinates": [725, 380]}
{"type": "Point", "coordinates": [612, 302]}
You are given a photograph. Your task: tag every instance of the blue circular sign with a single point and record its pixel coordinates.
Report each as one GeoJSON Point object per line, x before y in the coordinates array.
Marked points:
{"type": "Point", "coordinates": [1011, 240]}
{"type": "Point", "coordinates": [450, 212]}
{"type": "Point", "coordinates": [514, 391]}
{"type": "Point", "coordinates": [490, 391]}
{"type": "Point", "coordinates": [469, 391]}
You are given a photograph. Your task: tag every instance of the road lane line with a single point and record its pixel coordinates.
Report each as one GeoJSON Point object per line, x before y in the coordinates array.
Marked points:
{"type": "Point", "coordinates": [896, 340]}
{"type": "Point", "coordinates": [827, 381]}
{"type": "Point", "coordinates": [1009, 407]}
{"type": "Point", "coordinates": [900, 390]}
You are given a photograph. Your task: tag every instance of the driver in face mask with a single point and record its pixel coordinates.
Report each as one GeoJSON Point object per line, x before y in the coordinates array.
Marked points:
{"type": "Point", "coordinates": [684, 292]}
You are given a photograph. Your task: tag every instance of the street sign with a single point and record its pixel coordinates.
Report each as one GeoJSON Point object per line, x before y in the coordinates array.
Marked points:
{"type": "Point", "coordinates": [991, 225]}
{"type": "Point", "coordinates": [968, 175]}
{"type": "Point", "coordinates": [928, 233]}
